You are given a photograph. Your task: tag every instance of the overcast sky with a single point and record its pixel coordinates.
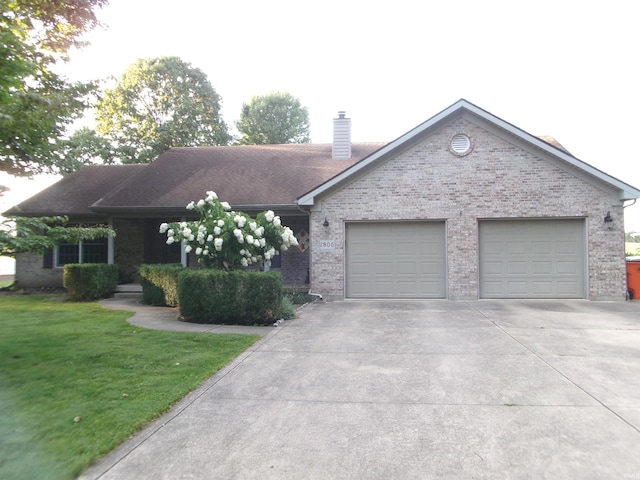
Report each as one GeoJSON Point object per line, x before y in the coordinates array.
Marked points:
{"type": "Point", "coordinates": [562, 68]}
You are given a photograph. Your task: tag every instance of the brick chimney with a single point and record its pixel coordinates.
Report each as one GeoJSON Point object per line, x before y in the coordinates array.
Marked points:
{"type": "Point", "coordinates": [341, 137]}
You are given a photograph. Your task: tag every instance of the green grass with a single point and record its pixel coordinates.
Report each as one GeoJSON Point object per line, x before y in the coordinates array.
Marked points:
{"type": "Point", "coordinates": [76, 380]}
{"type": "Point", "coordinates": [632, 249]}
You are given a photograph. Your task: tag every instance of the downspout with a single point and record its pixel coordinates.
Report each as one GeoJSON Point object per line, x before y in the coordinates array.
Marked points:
{"type": "Point", "coordinates": [309, 215]}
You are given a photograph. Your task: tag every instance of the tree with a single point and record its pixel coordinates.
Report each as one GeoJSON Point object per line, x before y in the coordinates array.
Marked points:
{"type": "Point", "coordinates": [157, 104]}
{"type": "Point", "coordinates": [274, 118]}
{"type": "Point", "coordinates": [35, 235]}
{"type": "Point", "coordinates": [36, 104]}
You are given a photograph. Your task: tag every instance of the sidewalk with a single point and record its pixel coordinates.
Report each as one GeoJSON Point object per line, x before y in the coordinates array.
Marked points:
{"type": "Point", "coordinates": [166, 318]}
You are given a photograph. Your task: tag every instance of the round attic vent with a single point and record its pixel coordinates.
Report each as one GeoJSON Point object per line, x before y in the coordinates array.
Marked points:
{"type": "Point", "coordinates": [460, 144]}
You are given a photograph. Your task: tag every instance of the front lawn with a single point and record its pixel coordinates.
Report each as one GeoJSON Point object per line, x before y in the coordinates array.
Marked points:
{"type": "Point", "coordinates": [76, 380]}
{"type": "Point", "coordinates": [632, 249]}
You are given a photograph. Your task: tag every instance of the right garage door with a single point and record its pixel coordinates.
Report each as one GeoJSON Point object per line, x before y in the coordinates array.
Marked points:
{"type": "Point", "coordinates": [532, 259]}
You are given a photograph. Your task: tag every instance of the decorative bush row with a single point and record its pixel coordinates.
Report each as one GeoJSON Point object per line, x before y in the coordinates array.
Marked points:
{"type": "Point", "coordinates": [90, 281]}
{"type": "Point", "coordinates": [237, 297]}
{"type": "Point", "coordinates": [160, 284]}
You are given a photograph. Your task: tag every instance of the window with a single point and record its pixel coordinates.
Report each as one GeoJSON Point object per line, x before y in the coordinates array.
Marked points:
{"type": "Point", "coordinates": [86, 251]}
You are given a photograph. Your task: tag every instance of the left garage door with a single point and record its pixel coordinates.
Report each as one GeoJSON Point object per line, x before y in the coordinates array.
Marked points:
{"type": "Point", "coordinates": [396, 260]}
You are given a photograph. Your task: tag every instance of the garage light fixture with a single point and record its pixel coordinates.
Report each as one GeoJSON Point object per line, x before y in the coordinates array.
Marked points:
{"type": "Point", "coordinates": [326, 222]}
{"type": "Point", "coordinates": [608, 219]}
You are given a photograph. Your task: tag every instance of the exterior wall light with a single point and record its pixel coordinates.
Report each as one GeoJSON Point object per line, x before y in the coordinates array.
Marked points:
{"type": "Point", "coordinates": [608, 219]}
{"type": "Point", "coordinates": [326, 222]}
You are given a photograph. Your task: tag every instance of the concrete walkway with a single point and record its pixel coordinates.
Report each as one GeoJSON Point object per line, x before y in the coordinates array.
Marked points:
{"type": "Point", "coordinates": [412, 390]}
{"type": "Point", "coordinates": [165, 318]}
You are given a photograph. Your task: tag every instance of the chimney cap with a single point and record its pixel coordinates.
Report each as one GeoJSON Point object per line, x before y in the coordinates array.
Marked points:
{"type": "Point", "coordinates": [341, 113]}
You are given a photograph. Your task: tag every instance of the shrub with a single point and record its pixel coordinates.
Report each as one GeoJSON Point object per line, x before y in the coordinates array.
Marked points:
{"type": "Point", "coordinates": [90, 281]}
{"type": "Point", "coordinates": [160, 284]}
{"type": "Point", "coordinates": [236, 297]}
{"type": "Point", "coordinates": [288, 311]}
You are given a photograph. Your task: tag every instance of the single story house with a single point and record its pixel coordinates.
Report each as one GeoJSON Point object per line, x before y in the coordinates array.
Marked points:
{"type": "Point", "coordinates": [464, 206]}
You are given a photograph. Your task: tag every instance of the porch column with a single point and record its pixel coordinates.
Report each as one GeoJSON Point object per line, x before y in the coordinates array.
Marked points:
{"type": "Point", "coordinates": [110, 244]}
{"type": "Point", "coordinates": [183, 254]}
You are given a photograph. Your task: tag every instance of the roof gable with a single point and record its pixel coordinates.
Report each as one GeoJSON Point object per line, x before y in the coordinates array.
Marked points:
{"type": "Point", "coordinates": [463, 107]}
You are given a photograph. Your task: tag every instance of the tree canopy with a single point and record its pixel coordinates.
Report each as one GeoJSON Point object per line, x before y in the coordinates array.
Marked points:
{"type": "Point", "coordinates": [35, 235]}
{"type": "Point", "coordinates": [36, 104]}
{"type": "Point", "coordinates": [157, 104]}
{"type": "Point", "coordinates": [274, 118]}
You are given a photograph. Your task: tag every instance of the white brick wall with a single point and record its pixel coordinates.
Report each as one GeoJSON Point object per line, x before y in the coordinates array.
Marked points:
{"type": "Point", "coordinates": [498, 179]}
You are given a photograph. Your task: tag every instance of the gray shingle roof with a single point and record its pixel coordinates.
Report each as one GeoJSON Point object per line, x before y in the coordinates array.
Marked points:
{"type": "Point", "coordinates": [76, 192]}
{"type": "Point", "coordinates": [241, 175]}
{"type": "Point", "coordinates": [261, 175]}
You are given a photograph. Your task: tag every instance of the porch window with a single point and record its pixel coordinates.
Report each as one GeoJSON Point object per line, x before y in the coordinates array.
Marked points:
{"type": "Point", "coordinates": [86, 251]}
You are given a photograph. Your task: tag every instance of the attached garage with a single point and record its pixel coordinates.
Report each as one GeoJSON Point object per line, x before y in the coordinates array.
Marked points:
{"type": "Point", "coordinates": [396, 260]}
{"type": "Point", "coordinates": [532, 258]}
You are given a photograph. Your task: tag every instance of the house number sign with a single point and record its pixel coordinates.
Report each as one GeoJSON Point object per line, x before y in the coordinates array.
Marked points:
{"type": "Point", "coordinates": [326, 245]}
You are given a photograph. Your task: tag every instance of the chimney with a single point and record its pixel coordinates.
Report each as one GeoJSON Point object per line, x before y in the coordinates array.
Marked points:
{"type": "Point", "coordinates": [341, 137]}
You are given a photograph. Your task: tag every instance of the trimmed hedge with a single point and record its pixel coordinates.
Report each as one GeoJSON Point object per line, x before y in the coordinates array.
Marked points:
{"type": "Point", "coordinates": [160, 284]}
{"type": "Point", "coordinates": [237, 297]}
{"type": "Point", "coordinates": [90, 281]}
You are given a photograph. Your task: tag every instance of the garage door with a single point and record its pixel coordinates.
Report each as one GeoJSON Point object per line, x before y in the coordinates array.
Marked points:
{"type": "Point", "coordinates": [532, 259]}
{"type": "Point", "coordinates": [396, 260]}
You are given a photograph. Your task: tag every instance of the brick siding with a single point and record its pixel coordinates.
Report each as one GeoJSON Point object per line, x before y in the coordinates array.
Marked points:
{"type": "Point", "coordinates": [498, 179]}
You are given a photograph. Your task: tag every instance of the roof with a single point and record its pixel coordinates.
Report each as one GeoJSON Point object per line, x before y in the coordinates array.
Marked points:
{"type": "Point", "coordinates": [74, 193]}
{"type": "Point", "coordinates": [244, 175]}
{"type": "Point", "coordinates": [547, 145]}
{"type": "Point", "coordinates": [251, 175]}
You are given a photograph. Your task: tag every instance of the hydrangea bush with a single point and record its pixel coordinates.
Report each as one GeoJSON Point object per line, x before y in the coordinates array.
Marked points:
{"type": "Point", "coordinates": [230, 240]}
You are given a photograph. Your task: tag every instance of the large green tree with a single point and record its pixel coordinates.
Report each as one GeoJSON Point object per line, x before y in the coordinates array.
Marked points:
{"type": "Point", "coordinates": [274, 118]}
{"type": "Point", "coordinates": [37, 104]}
{"type": "Point", "coordinates": [158, 104]}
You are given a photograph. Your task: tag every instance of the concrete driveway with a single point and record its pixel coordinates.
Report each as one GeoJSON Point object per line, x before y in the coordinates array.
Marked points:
{"type": "Point", "coordinates": [412, 390]}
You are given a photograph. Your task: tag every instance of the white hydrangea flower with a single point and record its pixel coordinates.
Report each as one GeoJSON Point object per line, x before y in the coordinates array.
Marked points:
{"type": "Point", "coordinates": [170, 240]}
{"type": "Point", "coordinates": [201, 203]}
{"type": "Point", "coordinates": [253, 226]}
{"type": "Point", "coordinates": [187, 249]}
{"type": "Point", "coordinates": [249, 239]}
{"type": "Point", "coordinates": [190, 206]}
{"type": "Point", "coordinates": [170, 232]}
{"type": "Point", "coordinates": [218, 244]}
{"type": "Point", "coordinates": [262, 242]}
{"type": "Point", "coordinates": [244, 262]}
{"type": "Point", "coordinates": [205, 252]}
{"type": "Point", "coordinates": [216, 231]}
{"type": "Point", "coordinates": [210, 237]}
{"type": "Point", "coordinates": [164, 227]}
{"type": "Point", "coordinates": [225, 205]}
{"type": "Point", "coordinates": [276, 221]}
{"type": "Point", "coordinates": [198, 251]}
{"type": "Point", "coordinates": [259, 231]}
{"type": "Point", "coordinates": [211, 196]}
{"type": "Point", "coordinates": [183, 224]}
{"type": "Point", "coordinates": [221, 223]}
{"type": "Point", "coordinates": [269, 216]}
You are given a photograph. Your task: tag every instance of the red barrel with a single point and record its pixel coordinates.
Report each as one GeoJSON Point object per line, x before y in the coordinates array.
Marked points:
{"type": "Point", "coordinates": [633, 278]}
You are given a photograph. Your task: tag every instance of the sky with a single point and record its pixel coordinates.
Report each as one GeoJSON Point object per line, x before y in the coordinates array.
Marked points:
{"type": "Point", "coordinates": [562, 68]}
